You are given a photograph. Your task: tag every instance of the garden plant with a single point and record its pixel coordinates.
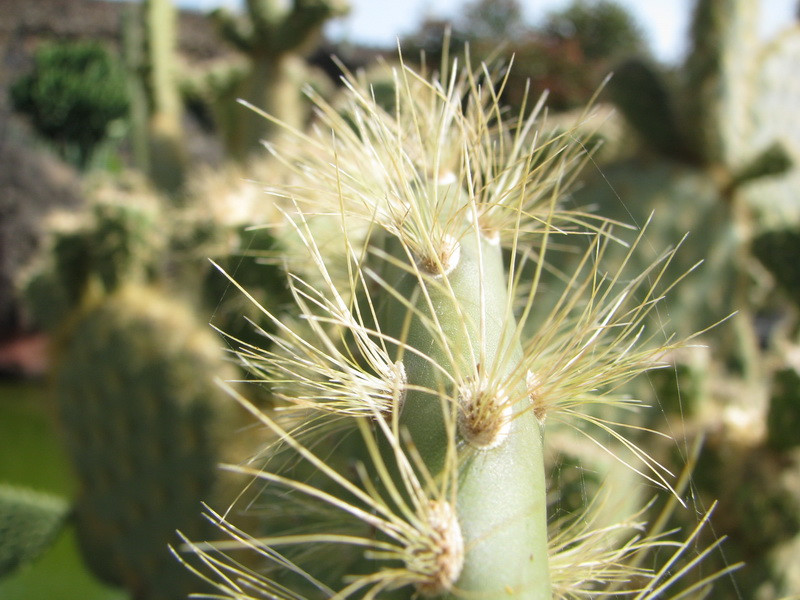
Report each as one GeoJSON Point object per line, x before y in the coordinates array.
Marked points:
{"type": "Point", "coordinates": [438, 343]}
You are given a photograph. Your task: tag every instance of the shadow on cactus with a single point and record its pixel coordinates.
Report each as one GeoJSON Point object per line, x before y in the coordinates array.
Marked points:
{"type": "Point", "coordinates": [431, 357]}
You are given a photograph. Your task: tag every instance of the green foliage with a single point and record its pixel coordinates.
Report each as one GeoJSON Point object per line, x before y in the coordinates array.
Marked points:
{"type": "Point", "coordinates": [142, 416]}
{"type": "Point", "coordinates": [603, 29]}
{"type": "Point", "coordinates": [29, 522]}
{"type": "Point", "coordinates": [76, 89]}
{"type": "Point", "coordinates": [567, 57]}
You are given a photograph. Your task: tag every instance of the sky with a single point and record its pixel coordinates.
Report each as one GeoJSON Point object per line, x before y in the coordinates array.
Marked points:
{"type": "Point", "coordinates": [379, 22]}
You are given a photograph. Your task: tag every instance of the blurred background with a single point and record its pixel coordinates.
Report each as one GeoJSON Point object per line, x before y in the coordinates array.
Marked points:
{"type": "Point", "coordinates": [125, 163]}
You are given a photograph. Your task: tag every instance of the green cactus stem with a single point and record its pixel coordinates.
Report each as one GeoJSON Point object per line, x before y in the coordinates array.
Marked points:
{"type": "Point", "coordinates": [461, 327]}
{"type": "Point", "coordinates": [718, 69]}
{"type": "Point", "coordinates": [156, 110]}
{"type": "Point", "coordinates": [168, 160]}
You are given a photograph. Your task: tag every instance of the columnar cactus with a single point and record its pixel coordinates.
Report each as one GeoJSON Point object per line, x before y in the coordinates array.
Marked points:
{"type": "Point", "coordinates": [431, 354]}
{"type": "Point", "coordinates": [149, 36]}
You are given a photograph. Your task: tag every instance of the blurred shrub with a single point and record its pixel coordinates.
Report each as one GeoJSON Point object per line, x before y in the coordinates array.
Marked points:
{"type": "Point", "coordinates": [569, 55]}
{"type": "Point", "coordinates": [73, 93]}
{"type": "Point", "coordinates": [603, 30]}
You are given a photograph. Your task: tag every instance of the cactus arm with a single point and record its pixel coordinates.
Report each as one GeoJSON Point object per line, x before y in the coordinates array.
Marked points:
{"type": "Point", "coordinates": [724, 42]}
{"type": "Point", "coordinates": [133, 54]}
{"type": "Point", "coordinates": [168, 162]}
{"type": "Point", "coordinates": [770, 162]}
{"type": "Point", "coordinates": [462, 327]}
{"type": "Point", "coordinates": [273, 37]}
{"type": "Point", "coordinates": [302, 25]}
{"type": "Point", "coordinates": [233, 30]}
{"type": "Point", "coordinates": [266, 17]}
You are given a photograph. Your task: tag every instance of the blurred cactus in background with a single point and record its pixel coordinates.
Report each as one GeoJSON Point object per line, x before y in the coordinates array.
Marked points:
{"type": "Point", "coordinates": [149, 39]}
{"type": "Point", "coordinates": [273, 36]}
{"type": "Point", "coordinates": [114, 241]}
{"type": "Point", "coordinates": [143, 424]}
{"type": "Point", "coordinates": [134, 374]}
{"type": "Point", "coordinates": [75, 91]}
{"type": "Point", "coordinates": [717, 149]}
{"type": "Point", "coordinates": [29, 522]}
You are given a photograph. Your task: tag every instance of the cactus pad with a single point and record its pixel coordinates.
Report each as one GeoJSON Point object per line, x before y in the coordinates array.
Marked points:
{"type": "Point", "coordinates": [29, 522]}
{"type": "Point", "coordinates": [139, 410]}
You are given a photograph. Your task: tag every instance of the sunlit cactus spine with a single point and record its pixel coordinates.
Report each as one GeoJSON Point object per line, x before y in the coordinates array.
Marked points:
{"type": "Point", "coordinates": [431, 353]}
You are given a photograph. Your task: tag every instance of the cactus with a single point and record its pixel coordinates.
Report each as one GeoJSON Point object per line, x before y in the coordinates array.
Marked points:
{"type": "Point", "coordinates": [157, 112]}
{"type": "Point", "coordinates": [430, 356]}
{"type": "Point", "coordinates": [749, 461]}
{"type": "Point", "coordinates": [273, 37]}
{"type": "Point", "coordinates": [141, 421]}
{"type": "Point", "coordinates": [168, 160]}
{"type": "Point", "coordinates": [252, 257]}
{"type": "Point", "coordinates": [722, 125]}
{"type": "Point", "coordinates": [117, 240]}
{"type": "Point", "coordinates": [727, 160]}
{"type": "Point", "coordinates": [29, 522]}
{"type": "Point", "coordinates": [134, 375]}
{"type": "Point", "coordinates": [783, 416]}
